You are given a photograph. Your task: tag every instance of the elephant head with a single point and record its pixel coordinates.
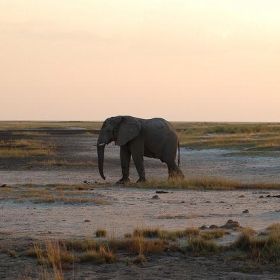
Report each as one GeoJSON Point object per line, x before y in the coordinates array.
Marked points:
{"type": "Point", "coordinates": [120, 129]}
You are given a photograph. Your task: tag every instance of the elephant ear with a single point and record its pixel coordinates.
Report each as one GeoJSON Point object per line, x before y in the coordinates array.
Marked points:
{"type": "Point", "coordinates": [129, 128]}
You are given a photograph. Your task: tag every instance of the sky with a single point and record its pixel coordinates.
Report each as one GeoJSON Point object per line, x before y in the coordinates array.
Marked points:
{"type": "Point", "coordinates": [183, 60]}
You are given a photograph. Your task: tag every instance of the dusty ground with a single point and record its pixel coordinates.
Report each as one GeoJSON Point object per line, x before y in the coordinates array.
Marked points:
{"type": "Point", "coordinates": [24, 223]}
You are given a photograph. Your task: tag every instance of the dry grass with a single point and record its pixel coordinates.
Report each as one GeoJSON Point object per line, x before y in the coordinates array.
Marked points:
{"type": "Point", "coordinates": [83, 193]}
{"type": "Point", "coordinates": [200, 245]}
{"type": "Point", "coordinates": [274, 227]}
{"type": "Point", "coordinates": [54, 162]}
{"type": "Point", "coordinates": [164, 234]}
{"type": "Point", "coordinates": [67, 194]}
{"type": "Point", "coordinates": [86, 244]}
{"type": "Point", "coordinates": [261, 248]}
{"type": "Point", "coordinates": [25, 148]}
{"type": "Point", "coordinates": [54, 255]}
{"type": "Point", "coordinates": [10, 125]}
{"type": "Point", "coordinates": [214, 234]}
{"type": "Point", "coordinates": [61, 254]}
{"type": "Point", "coordinates": [141, 246]}
{"type": "Point", "coordinates": [253, 138]}
{"type": "Point", "coordinates": [204, 183]}
{"type": "Point", "coordinates": [98, 256]}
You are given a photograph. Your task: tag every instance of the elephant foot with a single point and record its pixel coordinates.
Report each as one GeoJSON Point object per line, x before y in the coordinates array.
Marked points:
{"type": "Point", "coordinates": [176, 175]}
{"type": "Point", "coordinates": [123, 181]}
{"type": "Point", "coordinates": [141, 180]}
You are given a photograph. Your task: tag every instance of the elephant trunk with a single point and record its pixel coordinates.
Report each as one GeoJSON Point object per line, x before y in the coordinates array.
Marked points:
{"type": "Point", "coordinates": [100, 153]}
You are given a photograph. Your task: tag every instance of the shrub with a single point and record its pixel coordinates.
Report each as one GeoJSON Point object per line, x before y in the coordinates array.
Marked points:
{"type": "Point", "coordinates": [100, 232]}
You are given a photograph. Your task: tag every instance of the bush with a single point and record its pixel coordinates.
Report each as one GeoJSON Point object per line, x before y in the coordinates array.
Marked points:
{"type": "Point", "coordinates": [100, 232]}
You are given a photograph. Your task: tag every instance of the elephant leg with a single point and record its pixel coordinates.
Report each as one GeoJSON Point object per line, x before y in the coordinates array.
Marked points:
{"type": "Point", "coordinates": [174, 171]}
{"type": "Point", "coordinates": [137, 151]}
{"type": "Point", "coordinates": [139, 164]}
{"type": "Point", "coordinates": [125, 157]}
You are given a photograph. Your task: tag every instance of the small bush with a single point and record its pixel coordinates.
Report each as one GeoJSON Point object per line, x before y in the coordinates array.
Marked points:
{"type": "Point", "coordinates": [100, 232]}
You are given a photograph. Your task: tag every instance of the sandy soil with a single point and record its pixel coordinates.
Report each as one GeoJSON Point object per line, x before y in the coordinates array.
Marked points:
{"type": "Point", "coordinates": [22, 223]}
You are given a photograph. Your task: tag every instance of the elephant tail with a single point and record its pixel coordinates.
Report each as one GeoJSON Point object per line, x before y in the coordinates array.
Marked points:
{"type": "Point", "coordinates": [179, 154]}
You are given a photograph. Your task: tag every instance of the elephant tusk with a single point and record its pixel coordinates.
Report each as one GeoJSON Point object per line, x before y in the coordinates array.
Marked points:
{"type": "Point", "coordinates": [102, 144]}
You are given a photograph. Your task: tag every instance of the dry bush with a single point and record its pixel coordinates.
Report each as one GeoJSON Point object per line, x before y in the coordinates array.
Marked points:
{"type": "Point", "coordinates": [100, 232]}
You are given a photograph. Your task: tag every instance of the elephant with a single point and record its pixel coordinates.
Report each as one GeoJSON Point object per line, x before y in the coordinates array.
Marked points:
{"type": "Point", "coordinates": [153, 138]}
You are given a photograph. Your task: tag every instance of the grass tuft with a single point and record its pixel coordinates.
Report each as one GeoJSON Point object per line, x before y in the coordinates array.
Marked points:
{"type": "Point", "coordinates": [200, 245]}
{"type": "Point", "coordinates": [214, 234]}
{"type": "Point", "coordinates": [260, 248]}
{"type": "Point", "coordinates": [274, 227]}
{"type": "Point", "coordinates": [98, 256]}
{"type": "Point", "coordinates": [164, 234]}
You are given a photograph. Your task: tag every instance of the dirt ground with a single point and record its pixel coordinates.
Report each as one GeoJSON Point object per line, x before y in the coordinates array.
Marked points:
{"type": "Point", "coordinates": [17, 231]}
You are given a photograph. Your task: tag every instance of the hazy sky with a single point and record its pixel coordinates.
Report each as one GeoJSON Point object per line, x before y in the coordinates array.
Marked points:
{"type": "Point", "coordinates": [184, 60]}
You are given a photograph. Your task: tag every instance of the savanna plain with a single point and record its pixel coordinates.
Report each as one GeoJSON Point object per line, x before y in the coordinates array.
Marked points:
{"type": "Point", "coordinates": [60, 220]}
